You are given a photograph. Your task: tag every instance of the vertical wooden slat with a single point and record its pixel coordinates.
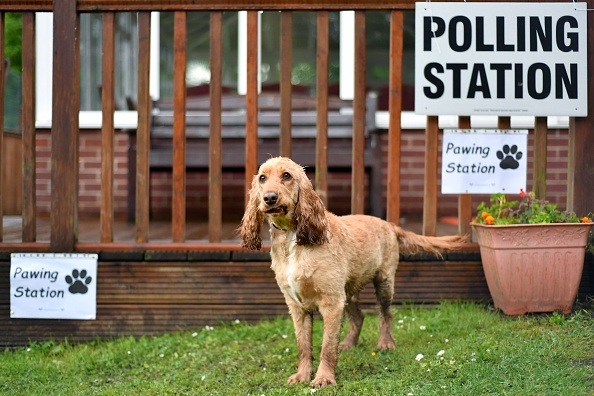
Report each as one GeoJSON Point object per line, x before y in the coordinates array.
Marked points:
{"type": "Point", "coordinates": [580, 178]}
{"type": "Point", "coordinates": [358, 175]}
{"type": "Point", "coordinates": [464, 200]}
{"type": "Point", "coordinates": [251, 98]}
{"type": "Point", "coordinates": [321, 176]}
{"type": "Point", "coordinates": [539, 185]}
{"type": "Point", "coordinates": [286, 65]}
{"type": "Point", "coordinates": [65, 109]}
{"type": "Point", "coordinates": [143, 129]}
{"type": "Point", "coordinates": [572, 153]}
{"type": "Point", "coordinates": [2, 83]}
{"type": "Point", "coordinates": [430, 187]}
{"type": "Point", "coordinates": [28, 124]}
{"type": "Point", "coordinates": [178, 197]}
{"type": "Point", "coordinates": [503, 122]}
{"type": "Point", "coordinates": [107, 127]}
{"type": "Point", "coordinates": [215, 186]}
{"type": "Point", "coordinates": [395, 110]}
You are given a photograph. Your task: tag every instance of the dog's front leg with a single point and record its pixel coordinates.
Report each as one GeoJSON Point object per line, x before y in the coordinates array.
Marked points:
{"type": "Point", "coordinates": [332, 314]}
{"type": "Point", "coordinates": [302, 320]}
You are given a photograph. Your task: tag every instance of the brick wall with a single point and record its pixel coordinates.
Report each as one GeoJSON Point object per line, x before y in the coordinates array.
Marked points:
{"type": "Point", "coordinates": [43, 171]}
{"type": "Point", "coordinates": [411, 193]}
{"type": "Point", "coordinates": [89, 196]}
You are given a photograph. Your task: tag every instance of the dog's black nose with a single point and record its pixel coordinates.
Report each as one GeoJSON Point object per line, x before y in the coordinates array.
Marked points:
{"type": "Point", "coordinates": [270, 198]}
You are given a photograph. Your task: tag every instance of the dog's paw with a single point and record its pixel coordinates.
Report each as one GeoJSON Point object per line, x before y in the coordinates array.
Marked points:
{"type": "Point", "coordinates": [386, 343]}
{"type": "Point", "coordinates": [323, 380]}
{"type": "Point", "coordinates": [346, 345]}
{"type": "Point", "coordinates": [299, 377]}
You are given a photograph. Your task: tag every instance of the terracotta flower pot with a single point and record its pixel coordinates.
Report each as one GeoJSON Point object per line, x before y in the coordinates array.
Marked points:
{"type": "Point", "coordinates": [533, 267]}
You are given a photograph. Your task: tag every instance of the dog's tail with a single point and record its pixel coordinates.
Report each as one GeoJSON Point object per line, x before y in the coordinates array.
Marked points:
{"type": "Point", "coordinates": [411, 243]}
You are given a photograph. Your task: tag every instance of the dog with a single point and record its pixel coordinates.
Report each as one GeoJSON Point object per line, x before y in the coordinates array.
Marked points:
{"type": "Point", "coordinates": [322, 261]}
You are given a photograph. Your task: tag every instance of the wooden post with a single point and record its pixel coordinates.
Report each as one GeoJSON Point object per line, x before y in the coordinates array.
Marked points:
{"type": "Point", "coordinates": [65, 128]}
{"type": "Point", "coordinates": [215, 172]}
{"type": "Point", "coordinates": [464, 200]}
{"type": "Point", "coordinates": [143, 130]}
{"type": "Point", "coordinates": [358, 178]}
{"type": "Point", "coordinates": [28, 116]}
{"type": "Point", "coordinates": [2, 85]}
{"type": "Point", "coordinates": [539, 184]}
{"type": "Point", "coordinates": [251, 100]}
{"type": "Point", "coordinates": [580, 176]}
{"type": "Point", "coordinates": [107, 127]}
{"type": "Point", "coordinates": [395, 110]}
{"type": "Point", "coordinates": [286, 88]}
{"type": "Point", "coordinates": [178, 195]}
{"type": "Point", "coordinates": [503, 122]}
{"type": "Point", "coordinates": [430, 187]}
{"type": "Point", "coordinates": [321, 177]}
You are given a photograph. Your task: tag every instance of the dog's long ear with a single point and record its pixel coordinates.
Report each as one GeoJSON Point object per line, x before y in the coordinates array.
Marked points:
{"type": "Point", "coordinates": [251, 223]}
{"type": "Point", "coordinates": [312, 225]}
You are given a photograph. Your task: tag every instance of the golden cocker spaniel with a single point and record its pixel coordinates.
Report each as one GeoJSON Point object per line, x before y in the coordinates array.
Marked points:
{"type": "Point", "coordinates": [322, 261]}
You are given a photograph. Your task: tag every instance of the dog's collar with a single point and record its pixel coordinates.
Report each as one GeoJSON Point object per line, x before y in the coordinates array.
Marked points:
{"type": "Point", "coordinates": [277, 227]}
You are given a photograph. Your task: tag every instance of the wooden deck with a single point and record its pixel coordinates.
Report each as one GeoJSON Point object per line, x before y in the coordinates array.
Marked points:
{"type": "Point", "coordinates": [151, 292]}
{"type": "Point", "coordinates": [144, 298]}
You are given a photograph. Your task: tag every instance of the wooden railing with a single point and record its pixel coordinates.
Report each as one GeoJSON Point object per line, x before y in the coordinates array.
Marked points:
{"type": "Point", "coordinates": [65, 111]}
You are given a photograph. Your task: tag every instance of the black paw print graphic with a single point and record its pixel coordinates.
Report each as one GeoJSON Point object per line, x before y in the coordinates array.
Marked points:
{"type": "Point", "coordinates": [509, 157]}
{"type": "Point", "coordinates": [78, 282]}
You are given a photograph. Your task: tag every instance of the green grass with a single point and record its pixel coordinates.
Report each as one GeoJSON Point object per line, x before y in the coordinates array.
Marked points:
{"type": "Point", "coordinates": [467, 349]}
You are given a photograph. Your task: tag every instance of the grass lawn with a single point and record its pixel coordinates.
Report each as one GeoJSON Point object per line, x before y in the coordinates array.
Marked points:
{"type": "Point", "coordinates": [448, 349]}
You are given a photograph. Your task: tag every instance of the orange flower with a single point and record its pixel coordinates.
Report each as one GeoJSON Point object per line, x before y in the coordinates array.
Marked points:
{"type": "Point", "coordinates": [484, 215]}
{"type": "Point", "coordinates": [522, 193]}
{"type": "Point", "coordinates": [585, 219]}
{"type": "Point", "coordinates": [489, 220]}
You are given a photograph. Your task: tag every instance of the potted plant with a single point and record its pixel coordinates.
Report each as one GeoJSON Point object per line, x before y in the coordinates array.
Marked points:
{"type": "Point", "coordinates": [532, 253]}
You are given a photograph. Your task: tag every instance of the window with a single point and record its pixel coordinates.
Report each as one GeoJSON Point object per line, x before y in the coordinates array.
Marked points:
{"type": "Point", "coordinates": [126, 67]}
{"type": "Point", "coordinates": [304, 57]}
{"type": "Point", "coordinates": [198, 51]}
{"type": "Point", "coordinates": [90, 38]}
{"type": "Point", "coordinates": [233, 68]}
{"type": "Point", "coordinates": [12, 72]}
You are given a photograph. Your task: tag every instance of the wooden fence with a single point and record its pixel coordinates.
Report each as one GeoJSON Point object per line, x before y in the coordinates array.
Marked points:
{"type": "Point", "coordinates": [65, 127]}
{"type": "Point", "coordinates": [64, 152]}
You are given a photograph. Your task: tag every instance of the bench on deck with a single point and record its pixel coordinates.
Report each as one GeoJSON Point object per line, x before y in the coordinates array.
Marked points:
{"type": "Point", "coordinates": [233, 119]}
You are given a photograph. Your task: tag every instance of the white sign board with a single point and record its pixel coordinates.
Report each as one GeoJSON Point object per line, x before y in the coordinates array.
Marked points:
{"type": "Point", "coordinates": [53, 286]}
{"type": "Point", "coordinates": [504, 59]}
{"type": "Point", "coordinates": [479, 161]}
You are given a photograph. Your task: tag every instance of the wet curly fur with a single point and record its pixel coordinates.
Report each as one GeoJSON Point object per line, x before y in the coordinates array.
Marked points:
{"type": "Point", "coordinates": [322, 261]}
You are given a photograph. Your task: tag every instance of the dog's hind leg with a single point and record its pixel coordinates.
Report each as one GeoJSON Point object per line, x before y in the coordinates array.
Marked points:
{"type": "Point", "coordinates": [384, 290]}
{"type": "Point", "coordinates": [353, 310]}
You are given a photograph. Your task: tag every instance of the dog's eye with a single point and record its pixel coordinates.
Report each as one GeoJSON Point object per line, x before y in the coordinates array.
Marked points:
{"type": "Point", "coordinates": [286, 176]}
{"type": "Point", "coordinates": [262, 178]}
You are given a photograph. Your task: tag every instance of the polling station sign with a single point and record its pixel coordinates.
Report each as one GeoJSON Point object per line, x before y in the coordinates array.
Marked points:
{"type": "Point", "coordinates": [504, 59]}
{"type": "Point", "coordinates": [53, 286]}
{"type": "Point", "coordinates": [480, 161]}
